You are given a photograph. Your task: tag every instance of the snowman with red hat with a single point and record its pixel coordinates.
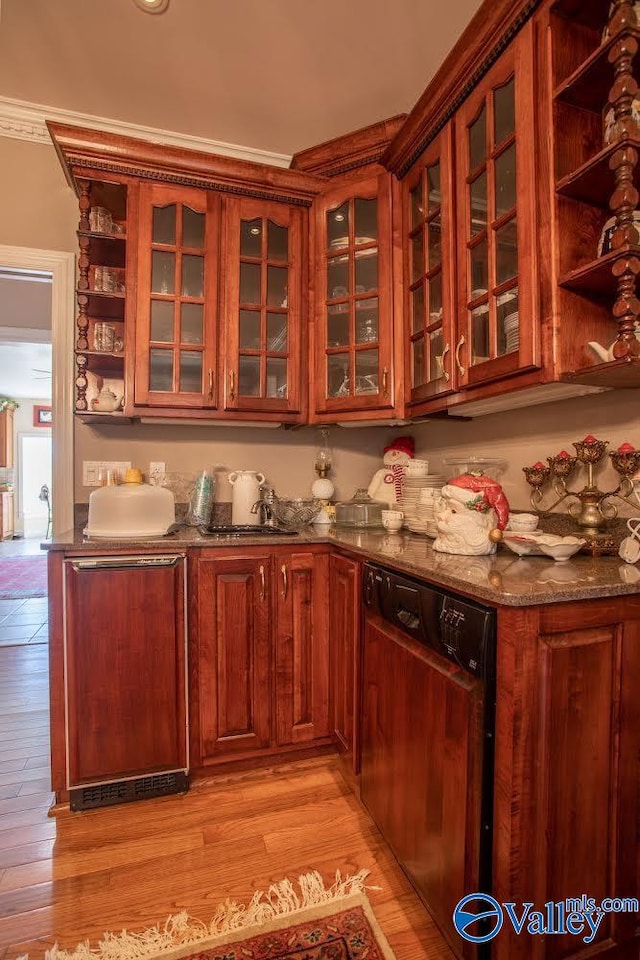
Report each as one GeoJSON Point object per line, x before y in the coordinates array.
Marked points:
{"type": "Point", "coordinates": [473, 506]}
{"type": "Point", "coordinates": [387, 482]}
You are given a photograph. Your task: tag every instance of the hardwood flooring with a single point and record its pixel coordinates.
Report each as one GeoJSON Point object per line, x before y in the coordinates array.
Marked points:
{"type": "Point", "coordinates": [72, 877]}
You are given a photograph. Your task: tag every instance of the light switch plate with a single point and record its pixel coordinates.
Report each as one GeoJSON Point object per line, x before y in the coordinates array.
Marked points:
{"type": "Point", "coordinates": [92, 469]}
{"type": "Point", "coordinates": [156, 466]}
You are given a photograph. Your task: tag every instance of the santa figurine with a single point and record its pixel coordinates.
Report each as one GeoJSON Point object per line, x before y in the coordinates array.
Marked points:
{"type": "Point", "coordinates": [387, 482]}
{"type": "Point", "coordinates": [473, 506]}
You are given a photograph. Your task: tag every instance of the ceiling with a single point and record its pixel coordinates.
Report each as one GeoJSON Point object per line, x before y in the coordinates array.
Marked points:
{"type": "Point", "coordinates": [277, 75]}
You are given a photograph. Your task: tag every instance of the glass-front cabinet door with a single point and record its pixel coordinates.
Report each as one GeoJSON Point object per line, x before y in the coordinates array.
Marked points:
{"type": "Point", "coordinates": [353, 345]}
{"type": "Point", "coordinates": [177, 296]}
{"type": "Point", "coordinates": [262, 297]}
{"type": "Point", "coordinates": [497, 313]}
{"type": "Point", "coordinates": [430, 271]}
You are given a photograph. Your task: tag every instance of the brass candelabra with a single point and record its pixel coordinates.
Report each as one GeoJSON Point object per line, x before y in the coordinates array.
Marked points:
{"type": "Point", "coordinates": [592, 508]}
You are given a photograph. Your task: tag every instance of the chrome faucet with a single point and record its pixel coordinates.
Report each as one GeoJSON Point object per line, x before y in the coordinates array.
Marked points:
{"type": "Point", "coordinates": [264, 508]}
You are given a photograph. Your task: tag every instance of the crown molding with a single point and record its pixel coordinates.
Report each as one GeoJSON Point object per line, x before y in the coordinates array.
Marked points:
{"type": "Point", "coordinates": [21, 120]}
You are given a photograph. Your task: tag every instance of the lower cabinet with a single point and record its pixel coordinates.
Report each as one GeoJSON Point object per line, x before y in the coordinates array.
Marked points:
{"type": "Point", "coordinates": [6, 516]}
{"type": "Point", "coordinates": [260, 642]}
{"type": "Point", "coordinates": [344, 654]}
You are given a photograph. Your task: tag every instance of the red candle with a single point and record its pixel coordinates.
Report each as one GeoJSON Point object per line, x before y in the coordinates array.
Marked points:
{"type": "Point", "coordinates": [538, 466]}
{"type": "Point", "coordinates": [590, 439]}
{"type": "Point", "coordinates": [563, 455]}
{"type": "Point", "coordinates": [626, 448]}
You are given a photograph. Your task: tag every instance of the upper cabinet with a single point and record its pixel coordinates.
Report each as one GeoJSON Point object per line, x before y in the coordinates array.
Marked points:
{"type": "Point", "coordinates": [354, 356]}
{"type": "Point", "coordinates": [177, 274]}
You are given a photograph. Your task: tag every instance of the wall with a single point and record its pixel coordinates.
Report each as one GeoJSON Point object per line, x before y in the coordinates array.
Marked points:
{"type": "Point", "coordinates": [23, 423]}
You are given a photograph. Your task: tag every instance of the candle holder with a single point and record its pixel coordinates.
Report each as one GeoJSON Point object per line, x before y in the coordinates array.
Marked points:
{"type": "Point", "coordinates": [592, 508]}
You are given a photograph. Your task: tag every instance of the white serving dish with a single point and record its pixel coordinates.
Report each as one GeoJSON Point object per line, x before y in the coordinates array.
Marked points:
{"type": "Point", "coordinates": [130, 511]}
{"type": "Point", "coordinates": [542, 544]}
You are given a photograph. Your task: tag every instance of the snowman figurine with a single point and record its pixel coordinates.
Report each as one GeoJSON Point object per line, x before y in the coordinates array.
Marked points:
{"type": "Point", "coordinates": [387, 483]}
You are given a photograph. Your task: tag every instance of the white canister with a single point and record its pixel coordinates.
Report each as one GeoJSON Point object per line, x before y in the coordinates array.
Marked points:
{"type": "Point", "coordinates": [246, 491]}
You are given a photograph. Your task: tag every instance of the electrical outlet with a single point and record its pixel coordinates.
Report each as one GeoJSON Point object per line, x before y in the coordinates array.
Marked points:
{"type": "Point", "coordinates": [92, 470]}
{"type": "Point", "coordinates": [156, 466]}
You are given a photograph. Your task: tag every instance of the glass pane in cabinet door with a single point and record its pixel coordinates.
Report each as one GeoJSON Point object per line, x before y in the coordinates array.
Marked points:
{"type": "Point", "coordinates": [161, 370]}
{"type": "Point", "coordinates": [507, 251]}
{"type": "Point", "coordinates": [249, 377]}
{"type": "Point", "coordinates": [435, 298]}
{"type": "Point", "coordinates": [250, 283]}
{"type": "Point", "coordinates": [277, 279]}
{"type": "Point", "coordinates": [366, 273]}
{"type": "Point", "coordinates": [338, 226]}
{"type": "Point", "coordinates": [433, 187]}
{"type": "Point", "coordinates": [415, 202]}
{"type": "Point", "coordinates": [478, 140]}
{"type": "Point", "coordinates": [479, 269]}
{"type": "Point", "coordinates": [163, 272]}
{"type": "Point", "coordinates": [478, 205]}
{"type": "Point", "coordinates": [435, 241]}
{"type": "Point", "coordinates": [338, 380]}
{"type": "Point", "coordinates": [505, 181]}
{"type": "Point", "coordinates": [366, 220]}
{"type": "Point", "coordinates": [192, 276]}
{"type": "Point", "coordinates": [367, 320]}
{"type": "Point", "coordinates": [338, 278]}
{"type": "Point", "coordinates": [417, 349]}
{"type": "Point", "coordinates": [277, 377]}
{"type": "Point", "coordinates": [164, 225]}
{"type": "Point", "coordinates": [191, 323]}
{"type": "Point", "coordinates": [417, 309]}
{"type": "Point", "coordinates": [367, 372]}
{"type": "Point", "coordinates": [436, 349]}
{"type": "Point", "coordinates": [249, 333]}
{"type": "Point", "coordinates": [508, 321]}
{"type": "Point", "coordinates": [504, 112]}
{"type": "Point", "coordinates": [480, 334]}
{"type": "Point", "coordinates": [251, 238]}
{"type": "Point", "coordinates": [277, 331]}
{"type": "Point", "coordinates": [277, 242]}
{"type": "Point", "coordinates": [162, 321]}
{"type": "Point", "coordinates": [190, 371]}
{"type": "Point", "coordinates": [338, 325]}
{"type": "Point", "coordinates": [192, 228]}
{"type": "Point", "coordinates": [417, 255]}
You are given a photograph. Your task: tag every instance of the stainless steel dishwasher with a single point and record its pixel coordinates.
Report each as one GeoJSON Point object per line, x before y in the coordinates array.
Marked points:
{"type": "Point", "coordinates": [427, 737]}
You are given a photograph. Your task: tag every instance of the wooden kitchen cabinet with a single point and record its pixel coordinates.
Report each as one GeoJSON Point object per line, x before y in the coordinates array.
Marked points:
{"type": "Point", "coordinates": [124, 669]}
{"type": "Point", "coordinates": [6, 438]}
{"type": "Point", "coordinates": [344, 655]}
{"type": "Point", "coordinates": [6, 515]}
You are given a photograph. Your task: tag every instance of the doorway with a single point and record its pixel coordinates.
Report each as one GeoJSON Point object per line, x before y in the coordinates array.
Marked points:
{"type": "Point", "coordinates": [34, 472]}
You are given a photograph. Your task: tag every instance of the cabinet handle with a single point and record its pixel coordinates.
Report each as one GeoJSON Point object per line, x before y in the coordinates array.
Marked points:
{"type": "Point", "coordinates": [284, 581]}
{"type": "Point", "coordinates": [210, 394]}
{"type": "Point", "coordinates": [385, 382]}
{"type": "Point", "coordinates": [232, 385]}
{"type": "Point", "coordinates": [263, 586]}
{"type": "Point", "coordinates": [446, 376]}
{"type": "Point", "coordinates": [461, 342]}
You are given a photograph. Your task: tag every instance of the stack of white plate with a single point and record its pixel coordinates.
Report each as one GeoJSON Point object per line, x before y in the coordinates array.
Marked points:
{"type": "Point", "coordinates": [419, 495]}
{"type": "Point", "coordinates": [512, 331]}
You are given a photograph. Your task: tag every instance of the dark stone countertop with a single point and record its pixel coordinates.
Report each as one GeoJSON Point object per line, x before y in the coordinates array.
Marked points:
{"type": "Point", "coordinates": [503, 579]}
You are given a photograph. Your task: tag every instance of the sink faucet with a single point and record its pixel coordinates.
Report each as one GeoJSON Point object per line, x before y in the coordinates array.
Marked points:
{"type": "Point", "coordinates": [264, 508]}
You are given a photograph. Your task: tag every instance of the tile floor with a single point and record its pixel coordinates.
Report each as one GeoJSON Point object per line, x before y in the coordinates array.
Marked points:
{"type": "Point", "coordinates": [23, 621]}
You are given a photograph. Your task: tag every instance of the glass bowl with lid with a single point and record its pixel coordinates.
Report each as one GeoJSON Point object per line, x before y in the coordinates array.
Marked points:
{"type": "Point", "coordinates": [360, 511]}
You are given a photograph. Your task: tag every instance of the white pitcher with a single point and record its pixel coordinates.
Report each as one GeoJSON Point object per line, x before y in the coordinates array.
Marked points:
{"type": "Point", "coordinates": [246, 491]}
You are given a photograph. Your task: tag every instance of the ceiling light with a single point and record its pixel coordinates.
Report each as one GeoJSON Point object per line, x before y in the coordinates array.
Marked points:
{"type": "Point", "coordinates": [152, 6]}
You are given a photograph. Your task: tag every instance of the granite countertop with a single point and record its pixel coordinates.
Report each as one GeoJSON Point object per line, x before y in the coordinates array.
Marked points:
{"type": "Point", "coordinates": [503, 579]}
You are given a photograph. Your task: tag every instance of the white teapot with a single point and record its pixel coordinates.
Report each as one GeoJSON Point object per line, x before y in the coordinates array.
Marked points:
{"type": "Point", "coordinates": [246, 492]}
{"type": "Point", "coordinates": [106, 401]}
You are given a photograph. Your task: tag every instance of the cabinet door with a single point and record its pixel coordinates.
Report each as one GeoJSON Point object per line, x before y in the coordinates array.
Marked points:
{"type": "Point", "coordinates": [430, 270]}
{"type": "Point", "coordinates": [6, 438]}
{"type": "Point", "coordinates": [302, 649]}
{"type": "Point", "coordinates": [262, 292]}
{"type": "Point", "coordinates": [344, 648]}
{"type": "Point", "coordinates": [124, 669]}
{"type": "Point", "coordinates": [354, 330]}
{"type": "Point", "coordinates": [177, 297]}
{"type": "Point", "coordinates": [234, 618]}
{"type": "Point", "coordinates": [497, 310]}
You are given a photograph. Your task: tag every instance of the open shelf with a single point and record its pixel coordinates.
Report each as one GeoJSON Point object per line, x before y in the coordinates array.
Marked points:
{"type": "Point", "coordinates": [622, 374]}
{"type": "Point", "coordinates": [590, 15]}
{"type": "Point", "coordinates": [594, 182]}
{"type": "Point", "coordinates": [588, 87]}
{"type": "Point", "coordinates": [107, 249]}
{"type": "Point", "coordinates": [103, 364]}
{"type": "Point", "coordinates": [93, 416]}
{"type": "Point", "coordinates": [595, 278]}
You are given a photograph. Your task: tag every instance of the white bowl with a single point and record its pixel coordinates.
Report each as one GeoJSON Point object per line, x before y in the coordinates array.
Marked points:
{"type": "Point", "coordinates": [527, 522]}
{"type": "Point", "coordinates": [562, 550]}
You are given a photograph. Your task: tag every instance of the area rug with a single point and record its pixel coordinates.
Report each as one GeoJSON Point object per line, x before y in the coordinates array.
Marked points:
{"type": "Point", "coordinates": [23, 577]}
{"type": "Point", "coordinates": [301, 920]}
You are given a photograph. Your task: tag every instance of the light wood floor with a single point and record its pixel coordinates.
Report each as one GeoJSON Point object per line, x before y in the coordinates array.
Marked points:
{"type": "Point", "coordinates": [72, 877]}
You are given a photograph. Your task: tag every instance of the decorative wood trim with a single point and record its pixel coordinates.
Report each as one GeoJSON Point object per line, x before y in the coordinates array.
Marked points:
{"type": "Point", "coordinates": [21, 120]}
{"type": "Point", "coordinates": [364, 146]}
{"type": "Point", "coordinates": [80, 149]}
{"type": "Point", "coordinates": [492, 29]}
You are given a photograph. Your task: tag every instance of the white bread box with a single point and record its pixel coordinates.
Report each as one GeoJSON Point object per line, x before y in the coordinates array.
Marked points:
{"type": "Point", "coordinates": [130, 511]}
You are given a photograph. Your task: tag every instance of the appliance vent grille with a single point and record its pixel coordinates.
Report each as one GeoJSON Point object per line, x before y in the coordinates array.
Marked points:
{"type": "Point", "coordinates": [124, 791]}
